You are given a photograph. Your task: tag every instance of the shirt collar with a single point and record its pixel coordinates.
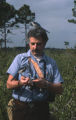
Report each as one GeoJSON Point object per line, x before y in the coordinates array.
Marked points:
{"type": "Point", "coordinates": [32, 56]}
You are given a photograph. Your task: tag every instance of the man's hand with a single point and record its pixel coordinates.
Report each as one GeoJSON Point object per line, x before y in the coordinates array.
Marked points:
{"type": "Point", "coordinates": [41, 82]}
{"type": "Point", "coordinates": [51, 87]}
{"type": "Point", "coordinates": [23, 81]}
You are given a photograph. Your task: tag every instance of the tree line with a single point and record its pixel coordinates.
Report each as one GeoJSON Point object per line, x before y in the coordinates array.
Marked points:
{"type": "Point", "coordinates": [9, 17]}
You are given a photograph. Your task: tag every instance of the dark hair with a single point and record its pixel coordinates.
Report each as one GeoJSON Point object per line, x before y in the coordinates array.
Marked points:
{"type": "Point", "coordinates": [38, 33]}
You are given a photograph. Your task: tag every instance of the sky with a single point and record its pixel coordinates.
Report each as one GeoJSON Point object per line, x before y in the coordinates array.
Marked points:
{"type": "Point", "coordinates": [52, 15]}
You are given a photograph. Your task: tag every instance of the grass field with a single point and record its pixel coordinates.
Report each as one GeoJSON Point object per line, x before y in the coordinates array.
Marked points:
{"type": "Point", "coordinates": [64, 106]}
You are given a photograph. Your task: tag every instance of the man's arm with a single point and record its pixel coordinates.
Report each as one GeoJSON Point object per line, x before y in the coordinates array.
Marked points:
{"type": "Point", "coordinates": [55, 87]}
{"type": "Point", "coordinates": [51, 87]}
{"type": "Point", "coordinates": [13, 83]}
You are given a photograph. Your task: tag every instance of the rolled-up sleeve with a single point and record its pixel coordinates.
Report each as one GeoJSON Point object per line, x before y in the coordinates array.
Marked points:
{"type": "Point", "coordinates": [14, 67]}
{"type": "Point", "coordinates": [57, 78]}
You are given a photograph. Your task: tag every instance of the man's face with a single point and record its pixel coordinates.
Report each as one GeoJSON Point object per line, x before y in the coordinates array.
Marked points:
{"type": "Point", "coordinates": [36, 46]}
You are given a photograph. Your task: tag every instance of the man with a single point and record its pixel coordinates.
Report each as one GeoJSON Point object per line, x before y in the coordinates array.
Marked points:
{"type": "Point", "coordinates": [35, 79]}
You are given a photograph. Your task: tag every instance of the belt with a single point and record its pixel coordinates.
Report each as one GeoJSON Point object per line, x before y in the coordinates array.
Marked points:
{"type": "Point", "coordinates": [25, 104]}
{"type": "Point", "coordinates": [30, 104]}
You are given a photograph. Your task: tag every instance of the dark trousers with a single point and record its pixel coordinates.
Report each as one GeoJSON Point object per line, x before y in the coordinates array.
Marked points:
{"type": "Point", "coordinates": [25, 111]}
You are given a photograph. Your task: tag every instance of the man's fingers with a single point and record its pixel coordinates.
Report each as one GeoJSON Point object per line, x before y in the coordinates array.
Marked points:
{"type": "Point", "coordinates": [36, 80]}
{"type": "Point", "coordinates": [22, 77]}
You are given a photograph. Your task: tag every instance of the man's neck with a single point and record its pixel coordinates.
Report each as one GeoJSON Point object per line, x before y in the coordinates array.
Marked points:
{"type": "Point", "coordinates": [38, 58]}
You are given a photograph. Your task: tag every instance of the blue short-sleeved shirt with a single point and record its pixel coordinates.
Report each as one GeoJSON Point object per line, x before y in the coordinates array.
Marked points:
{"type": "Point", "coordinates": [51, 72]}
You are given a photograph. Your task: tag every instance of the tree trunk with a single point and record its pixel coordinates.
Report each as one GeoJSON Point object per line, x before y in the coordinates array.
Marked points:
{"type": "Point", "coordinates": [5, 36]}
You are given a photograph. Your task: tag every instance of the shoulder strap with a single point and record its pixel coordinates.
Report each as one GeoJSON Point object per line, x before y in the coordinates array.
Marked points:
{"type": "Point", "coordinates": [37, 68]}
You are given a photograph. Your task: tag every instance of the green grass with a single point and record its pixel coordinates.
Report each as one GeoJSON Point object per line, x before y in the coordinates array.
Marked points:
{"type": "Point", "coordinates": [64, 106]}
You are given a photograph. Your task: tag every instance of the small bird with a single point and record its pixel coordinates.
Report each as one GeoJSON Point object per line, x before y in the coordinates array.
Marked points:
{"type": "Point", "coordinates": [37, 25]}
{"type": "Point", "coordinates": [22, 70]}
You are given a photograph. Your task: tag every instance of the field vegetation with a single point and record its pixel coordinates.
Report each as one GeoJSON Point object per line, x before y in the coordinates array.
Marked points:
{"type": "Point", "coordinates": [64, 106]}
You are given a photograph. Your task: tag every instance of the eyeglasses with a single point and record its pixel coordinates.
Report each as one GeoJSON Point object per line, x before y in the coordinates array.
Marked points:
{"type": "Point", "coordinates": [38, 44]}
